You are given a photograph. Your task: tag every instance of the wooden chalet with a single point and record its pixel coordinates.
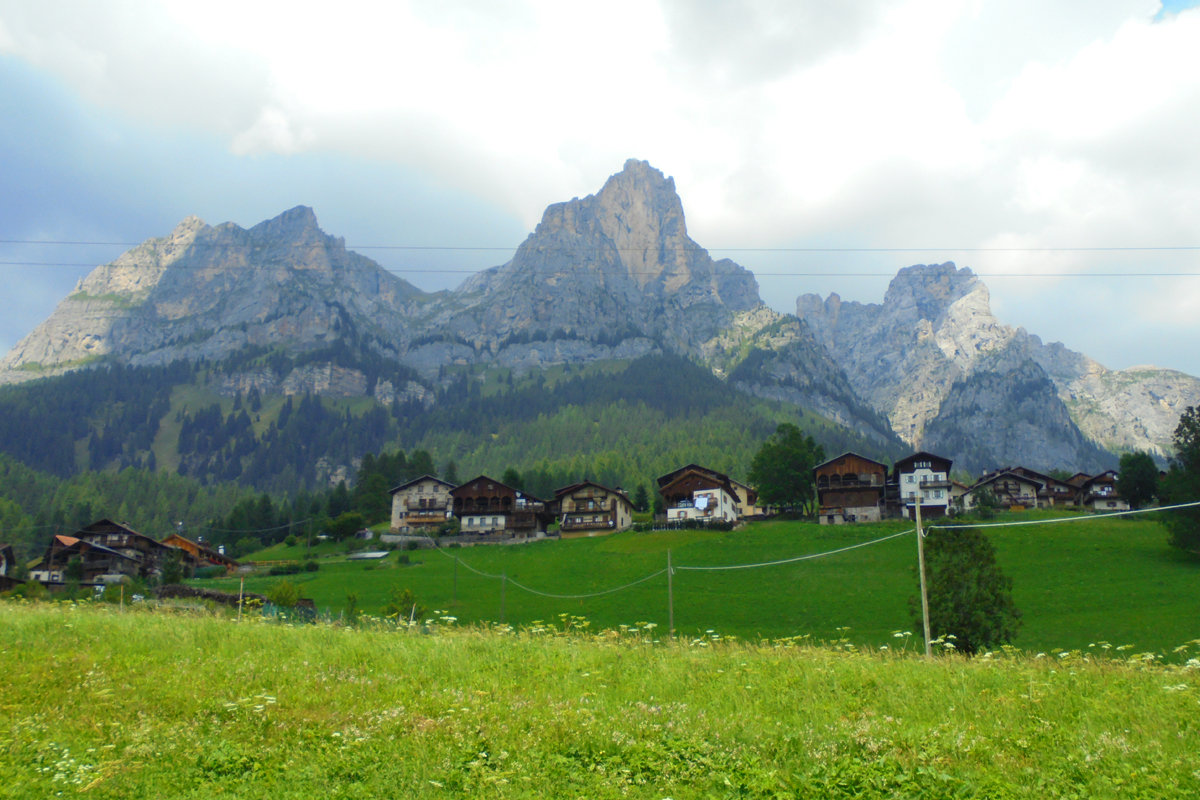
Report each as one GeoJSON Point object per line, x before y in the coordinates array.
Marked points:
{"type": "Point", "coordinates": [1012, 490]}
{"type": "Point", "coordinates": [850, 488]}
{"type": "Point", "coordinates": [487, 507]}
{"type": "Point", "coordinates": [1099, 493]}
{"type": "Point", "coordinates": [590, 509]}
{"type": "Point", "coordinates": [699, 493]}
{"type": "Point", "coordinates": [99, 564]}
{"type": "Point", "coordinates": [199, 554]}
{"type": "Point", "coordinates": [420, 504]}
{"type": "Point", "coordinates": [109, 551]}
{"type": "Point", "coordinates": [923, 475]}
{"type": "Point", "coordinates": [8, 569]}
{"type": "Point", "coordinates": [1054, 492]}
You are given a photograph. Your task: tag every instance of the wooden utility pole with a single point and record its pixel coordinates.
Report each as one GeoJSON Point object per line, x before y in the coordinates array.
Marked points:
{"type": "Point", "coordinates": [241, 591]}
{"type": "Point", "coordinates": [921, 569]}
{"type": "Point", "coordinates": [670, 598]}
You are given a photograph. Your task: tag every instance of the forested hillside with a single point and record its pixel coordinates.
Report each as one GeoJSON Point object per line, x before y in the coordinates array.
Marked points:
{"type": "Point", "coordinates": [159, 445]}
{"type": "Point", "coordinates": [622, 422]}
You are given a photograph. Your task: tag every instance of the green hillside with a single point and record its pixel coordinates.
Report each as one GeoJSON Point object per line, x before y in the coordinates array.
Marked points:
{"type": "Point", "coordinates": [143, 704]}
{"type": "Point", "coordinates": [1078, 584]}
{"type": "Point", "coordinates": [621, 422]}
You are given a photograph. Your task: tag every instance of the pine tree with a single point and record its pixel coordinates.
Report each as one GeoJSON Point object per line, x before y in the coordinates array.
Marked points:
{"type": "Point", "coordinates": [641, 500]}
{"type": "Point", "coordinates": [970, 598]}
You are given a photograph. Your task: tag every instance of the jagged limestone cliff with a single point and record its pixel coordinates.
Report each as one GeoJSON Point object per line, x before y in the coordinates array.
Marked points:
{"type": "Point", "coordinates": [935, 329]}
{"type": "Point", "coordinates": [611, 276]}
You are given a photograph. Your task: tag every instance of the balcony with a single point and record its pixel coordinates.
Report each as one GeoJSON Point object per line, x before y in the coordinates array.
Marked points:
{"type": "Point", "coordinates": [419, 506]}
{"type": "Point", "coordinates": [602, 522]}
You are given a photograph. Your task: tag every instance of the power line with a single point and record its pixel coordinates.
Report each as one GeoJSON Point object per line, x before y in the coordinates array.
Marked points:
{"type": "Point", "coordinates": [798, 558]}
{"type": "Point", "coordinates": [618, 271]}
{"type": "Point", "coordinates": [697, 249]}
{"type": "Point", "coordinates": [1062, 519]}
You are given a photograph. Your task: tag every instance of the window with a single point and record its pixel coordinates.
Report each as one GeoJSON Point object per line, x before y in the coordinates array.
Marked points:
{"type": "Point", "coordinates": [909, 478]}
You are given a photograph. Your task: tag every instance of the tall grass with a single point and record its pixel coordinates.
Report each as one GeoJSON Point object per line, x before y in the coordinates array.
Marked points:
{"type": "Point", "coordinates": [145, 704]}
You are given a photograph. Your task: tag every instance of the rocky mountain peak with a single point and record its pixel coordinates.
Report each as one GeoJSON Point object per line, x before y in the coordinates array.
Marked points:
{"type": "Point", "coordinates": [926, 291]}
{"type": "Point", "coordinates": [296, 226]}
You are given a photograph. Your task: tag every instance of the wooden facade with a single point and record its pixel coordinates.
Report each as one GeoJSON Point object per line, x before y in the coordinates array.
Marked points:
{"type": "Point", "coordinates": [850, 488]}
{"type": "Point", "coordinates": [486, 506]}
{"type": "Point", "coordinates": [421, 504]}
{"type": "Point", "coordinates": [108, 552]}
{"type": "Point", "coordinates": [1012, 490]}
{"type": "Point", "coordinates": [1099, 493]}
{"type": "Point", "coordinates": [199, 554]}
{"type": "Point", "coordinates": [590, 509]}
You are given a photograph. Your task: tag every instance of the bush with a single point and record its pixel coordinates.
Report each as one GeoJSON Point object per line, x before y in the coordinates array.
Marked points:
{"type": "Point", "coordinates": [211, 572]}
{"type": "Point", "coordinates": [412, 545]}
{"type": "Point", "coordinates": [403, 559]}
{"type": "Point", "coordinates": [291, 540]}
{"type": "Point", "coordinates": [311, 566]}
{"type": "Point", "coordinates": [284, 569]}
{"type": "Point", "coordinates": [284, 594]}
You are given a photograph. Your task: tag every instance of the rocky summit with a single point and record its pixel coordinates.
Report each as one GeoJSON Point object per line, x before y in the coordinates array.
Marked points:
{"type": "Point", "coordinates": [610, 277]}
{"type": "Point", "coordinates": [946, 373]}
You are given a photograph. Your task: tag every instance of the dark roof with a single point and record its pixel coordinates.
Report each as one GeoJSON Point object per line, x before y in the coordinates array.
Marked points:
{"type": "Point", "coordinates": [568, 489]}
{"type": "Point", "coordinates": [670, 476]}
{"type": "Point", "coordinates": [850, 453]}
{"type": "Point", "coordinates": [519, 492]}
{"type": "Point", "coordinates": [1079, 479]}
{"type": "Point", "coordinates": [108, 522]}
{"type": "Point", "coordinates": [418, 480]}
{"type": "Point", "coordinates": [1005, 474]}
{"type": "Point", "coordinates": [921, 456]}
{"type": "Point", "coordinates": [719, 478]}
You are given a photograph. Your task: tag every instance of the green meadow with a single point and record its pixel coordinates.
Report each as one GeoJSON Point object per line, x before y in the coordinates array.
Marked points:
{"type": "Point", "coordinates": [1077, 584]}
{"type": "Point", "coordinates": [161, 703]}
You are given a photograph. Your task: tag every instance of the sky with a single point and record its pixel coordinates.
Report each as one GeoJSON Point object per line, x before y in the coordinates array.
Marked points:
{"type": "Point", "coordinates": [1017, 138]}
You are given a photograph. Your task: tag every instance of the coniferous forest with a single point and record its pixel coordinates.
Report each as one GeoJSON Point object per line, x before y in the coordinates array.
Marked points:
{"type": "Point", "coordinates": [158, 446]}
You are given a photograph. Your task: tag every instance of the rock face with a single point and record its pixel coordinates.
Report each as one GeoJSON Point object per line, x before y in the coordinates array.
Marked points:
{"type": "Point", "coordinates": [206, 292]}
{"type": "Point", "coordinates": [611, 276]}
{"type": "Point", "coordinates": [933, 350]}
{"type": "Point", "coordinates": [1006, 411]}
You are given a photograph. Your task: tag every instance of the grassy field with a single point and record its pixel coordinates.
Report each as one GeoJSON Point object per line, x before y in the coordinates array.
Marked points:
{"type": "Point", "coordinates": [151, 704]}
{"type": "Point", "coordinates": [1100, 579]}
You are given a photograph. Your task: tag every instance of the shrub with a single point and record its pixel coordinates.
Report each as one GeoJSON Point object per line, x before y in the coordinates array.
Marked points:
{"type": "Point", "coordinates": [291, 540]}
{"type": "Point", "coordinates": [311, 566]}
{"type": "Point", "coordinates": [211, 572]}
{"type": "Point", "coordinates": [284, 569]}
{"type": "Point", "coordinates": [284, 594]}
{"type": "Point", "coordinates": [412, 545]}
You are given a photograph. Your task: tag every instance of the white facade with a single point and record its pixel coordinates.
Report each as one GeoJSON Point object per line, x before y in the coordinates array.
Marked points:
{"type": "Point", "coordinates": [707, 504]}
{"type": "Point", "coordinates": [933, 487]}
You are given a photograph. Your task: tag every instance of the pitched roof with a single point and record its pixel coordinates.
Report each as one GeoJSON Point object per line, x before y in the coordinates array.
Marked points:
{"type": "Point", "coordinates": [1008, 473]}
{"type": "Point", "coordinates": [670, 476]}
{"type": "Point", "coordinates": [403, 486]}
{"type": "Point", "coordinates": [919, 455]}
{"type": "Point", "coordinates": [568, 489]}
{"type": "Point", "coordinates": [851, 453]}
{"type": "Point", "coordinates": [519, 492]}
